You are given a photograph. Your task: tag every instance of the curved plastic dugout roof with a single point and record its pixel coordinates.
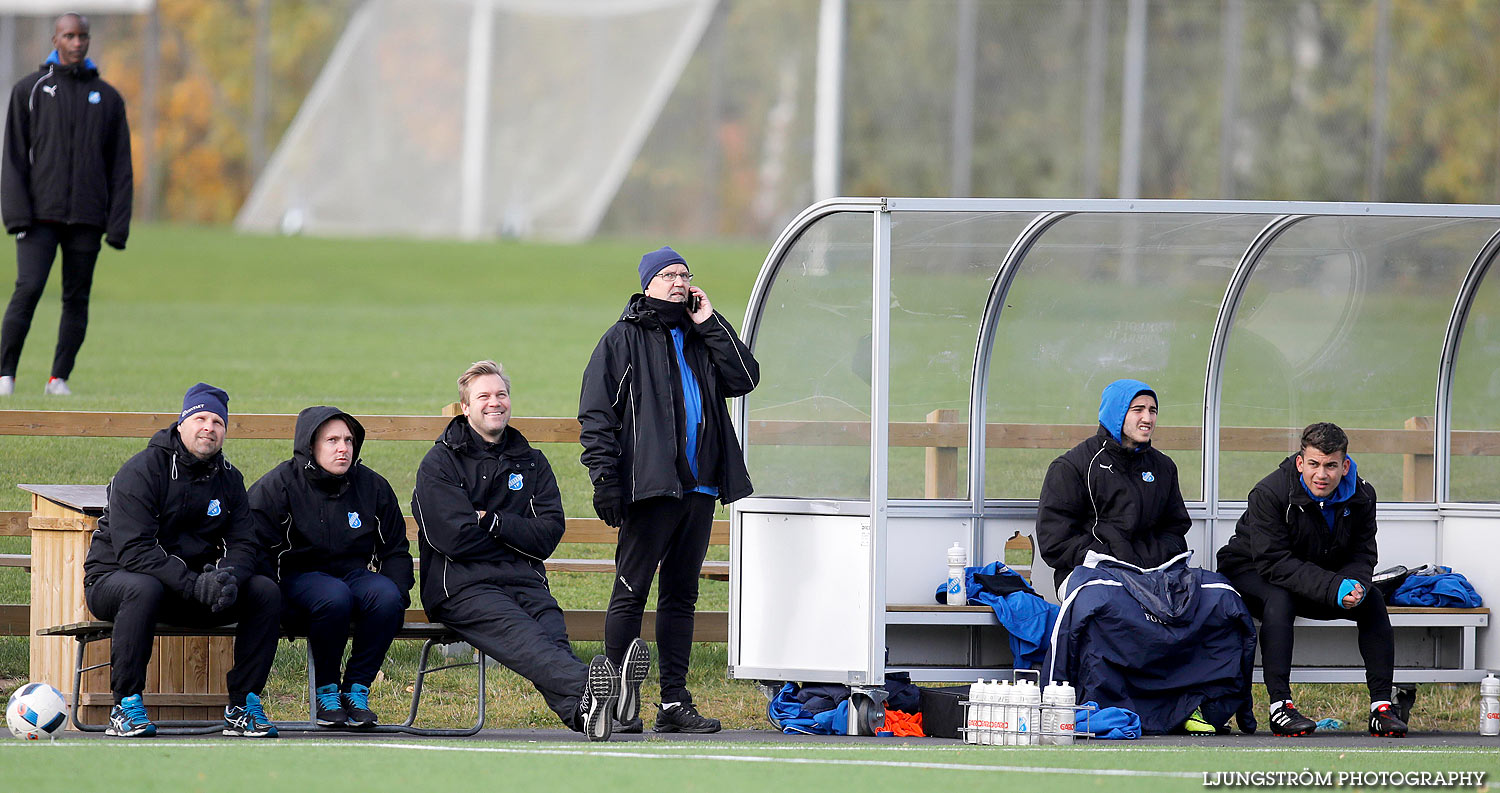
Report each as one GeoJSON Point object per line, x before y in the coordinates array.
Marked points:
{"type": "Point", "coordinates": [1251, 319]}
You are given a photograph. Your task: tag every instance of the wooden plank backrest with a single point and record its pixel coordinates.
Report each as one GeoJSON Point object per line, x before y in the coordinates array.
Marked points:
{"type": "Point", "coordinates": [939, 434]}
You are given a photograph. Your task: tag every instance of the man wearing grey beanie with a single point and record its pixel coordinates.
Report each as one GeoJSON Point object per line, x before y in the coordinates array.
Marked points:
{"type": "Point", "coordinates": [660, 450]}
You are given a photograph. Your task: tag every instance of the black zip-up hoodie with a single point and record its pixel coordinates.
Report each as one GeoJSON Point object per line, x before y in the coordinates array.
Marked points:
{"type": "Point", "coordinates": [630, 406]}
{"type": "Point", "coordinates": [67, 152]}
{"type": "Point", "coordinates": [169, 514]}
{"type": "Point", "coordinates": [512, 484]}
{"type": "Point", "coordinates": [318, 522]}
{"type": "Point", "coordinates": [1284, 537]}
{"type": "Point", "coordinates": [1100, 496]}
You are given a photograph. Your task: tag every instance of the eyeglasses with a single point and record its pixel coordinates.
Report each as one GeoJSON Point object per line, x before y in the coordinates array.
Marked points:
{"type": "Point", "coordinates": [670, 277]}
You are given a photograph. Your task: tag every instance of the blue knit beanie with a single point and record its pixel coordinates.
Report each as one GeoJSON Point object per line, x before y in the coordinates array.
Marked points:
{"type": "Point", "coordinates": [657, 260]}
{"type": "Point", "coordinates": [203, 397]}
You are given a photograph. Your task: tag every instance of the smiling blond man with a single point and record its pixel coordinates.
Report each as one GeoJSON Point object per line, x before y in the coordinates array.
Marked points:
{"type": "Point", "coordinates": [489, 514]}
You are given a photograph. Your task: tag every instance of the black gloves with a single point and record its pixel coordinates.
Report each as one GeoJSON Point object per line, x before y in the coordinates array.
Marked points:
{"type": "Point", "coordinates": [609, 503]}
{"type": "Point", "coordinates": [216, 588]}
{"type": "Point", "coordinates": [115, 242]}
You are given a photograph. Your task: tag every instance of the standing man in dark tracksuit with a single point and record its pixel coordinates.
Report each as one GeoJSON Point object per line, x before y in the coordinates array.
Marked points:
{"type": "Point", "coordinates": [1305, 547]}
{"type": "Point", "coordinates": [336, 541]}
{"type": "Point", "coordinates": [488, 515]}
{"type": "Point", "coordinates": [660, 448]}
{"type": "Point", "coordinates": [65, 182]}
{"type": "Point", "coordinates": [178, 544]}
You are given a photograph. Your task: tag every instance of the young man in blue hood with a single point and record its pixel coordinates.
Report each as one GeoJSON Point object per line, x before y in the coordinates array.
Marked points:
{"type": "Point", "coordinates": [1305, 547]}
{"type": "Point", "coordinates": [1114, 493]}
{"type": "Point", "coordinates": [337, 545]}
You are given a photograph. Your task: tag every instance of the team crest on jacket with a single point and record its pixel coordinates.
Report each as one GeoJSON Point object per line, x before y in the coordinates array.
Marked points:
{"type": "Point", "coordinates": [213, 508]}
{"type": "Point", "coordinates": [1147, 476]}
{"type": "Point", "coordinates": [516, 482]}
{"type": "Point", "coordinates": [93, 97]}
{"type": "Point", "coordinates": [354, 520]}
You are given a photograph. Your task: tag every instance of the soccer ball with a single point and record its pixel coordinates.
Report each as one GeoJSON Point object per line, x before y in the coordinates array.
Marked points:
{"type": "Point", "coordinates": [36, 711]}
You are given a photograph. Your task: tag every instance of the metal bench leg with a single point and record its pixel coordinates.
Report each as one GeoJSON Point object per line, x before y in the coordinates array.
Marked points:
{"type": "Point", "coordinates": [78, 670]}
{"type": "Point", "coordinates": [409, 726]}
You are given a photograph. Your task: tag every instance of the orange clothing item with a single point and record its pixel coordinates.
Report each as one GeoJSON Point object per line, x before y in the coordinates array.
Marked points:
{"type": "Point", "coordinates": [903, 724]}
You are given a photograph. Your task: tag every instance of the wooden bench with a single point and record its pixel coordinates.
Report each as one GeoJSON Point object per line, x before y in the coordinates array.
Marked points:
{"type": "Point", "coordinates": [431, 634]}
{"type": "Point", "coordinates": [1466, 621]}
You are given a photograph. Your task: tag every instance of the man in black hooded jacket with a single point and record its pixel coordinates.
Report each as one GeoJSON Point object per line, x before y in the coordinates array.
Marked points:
{"type": "Point", "coordinates": [1305, 547]}
{"type": "Point", "coordinates": [660, 448]}
{"type": "Point", "coordinates": [488, 515]}
{"type": "Point", "coordinates": [337, 544]}
{"type": "Point", "coordinates": [66, 180]}
{"type": "Point", "coordinates": [178, 544]}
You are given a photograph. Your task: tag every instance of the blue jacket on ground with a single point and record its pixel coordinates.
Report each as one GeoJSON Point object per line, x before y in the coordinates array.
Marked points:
{"type": "Point", "coordinates": [1161, 642]}
{"type": "Point", "coordinates": [1021, 611]}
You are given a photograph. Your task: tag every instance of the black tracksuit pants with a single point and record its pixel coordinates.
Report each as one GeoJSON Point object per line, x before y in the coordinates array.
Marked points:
{"type": "Point", "coordinates": [1276, 608]}
{"type": "Point", "coordinates": [522, 627]}
{"type": "Point", "coordinates": [136, 602]}
{"type": "Point", "coordinates": [35, 250]}
{"type": "Point", "coordinates": [673, 533]}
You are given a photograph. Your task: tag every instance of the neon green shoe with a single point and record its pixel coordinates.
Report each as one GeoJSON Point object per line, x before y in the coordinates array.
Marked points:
{"type": "Point", "coordinates": [1197, 725]}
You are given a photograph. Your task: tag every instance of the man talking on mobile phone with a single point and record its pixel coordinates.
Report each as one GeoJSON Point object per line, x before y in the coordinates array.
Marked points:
{"type": "Point", "coordinates": [660, 449]}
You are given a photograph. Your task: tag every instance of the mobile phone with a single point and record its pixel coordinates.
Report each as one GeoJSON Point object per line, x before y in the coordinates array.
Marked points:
{"type": "Point", "coordinates": [692, 302]}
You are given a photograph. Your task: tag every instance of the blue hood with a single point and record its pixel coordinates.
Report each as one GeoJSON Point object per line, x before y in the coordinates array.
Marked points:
{"type": "Point", "coordinates": [1115, 401]}
{"type": "Point", "coordinates": [52, 58]}
{"type": "Point", "coordinates": [1341, 493]}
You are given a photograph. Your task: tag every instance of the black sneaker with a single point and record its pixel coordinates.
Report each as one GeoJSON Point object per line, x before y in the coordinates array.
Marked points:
{"type": "Point", "coordinates": [1384, 723]}
{"type": "Point", "coordinates": [1406, 697]}
{"type": "Point", "coordinates": [248, 720]}
{"type": "Point", "coordinates": [330, 707]}
{"type": "Point", "coordinates": [1288, 723]}
{"type": "Point", "coordinates": [596, 707]}
{"type": "Point", "coordinates": [633, 670]}
{"type": "Point", "coordinates": [683, 717]}
{"type": "Point", "coordinates": [633, 727]}
{"type": "Point", "coordinates": [357, 705]}
{"type": "Point", "coordinates": [128, 719]}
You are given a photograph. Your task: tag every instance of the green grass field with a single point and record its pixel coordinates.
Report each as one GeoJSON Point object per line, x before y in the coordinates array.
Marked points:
{"type": "Point", "coordinates": [237, 765]}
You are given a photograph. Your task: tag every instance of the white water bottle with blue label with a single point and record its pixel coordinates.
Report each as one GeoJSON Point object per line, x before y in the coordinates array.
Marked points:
{"type": "Point", "coordinates": [958, 559]}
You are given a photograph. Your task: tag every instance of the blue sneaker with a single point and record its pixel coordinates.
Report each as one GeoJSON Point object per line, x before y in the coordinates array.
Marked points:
{"type": "Point", "coordinates": [357, 706]}
{"type": "Point", "coordinates": [248, 720]}
{"type": "Point", "coordinates": [330, 707]}
{"type": "Point", "coordinates": [128, 719]}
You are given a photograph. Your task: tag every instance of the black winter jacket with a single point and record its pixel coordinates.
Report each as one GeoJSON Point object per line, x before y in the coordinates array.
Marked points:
{"type": "Point", "coordinates": [1283, 537]}
{"type": "Point", "coordinates": [318, 522]}
{"type": "Point", "coordinates": [67, 153]}
{"type": "Point", "coordinates": [512, 484]}
{"type": "Point", "coordinates": [630, 406]}
{"type": "Point", "coordinates": [1100, 496]}
{"type": "Point", "coordinates": [169, 514]}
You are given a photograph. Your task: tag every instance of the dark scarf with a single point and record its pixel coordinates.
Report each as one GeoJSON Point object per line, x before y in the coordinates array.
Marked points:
{"type": "Point", "coordinates": [670, 313]}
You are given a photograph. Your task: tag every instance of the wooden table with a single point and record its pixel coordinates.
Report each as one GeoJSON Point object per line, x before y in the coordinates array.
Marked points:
{"type": "Point", "coordinates": [186, 671]}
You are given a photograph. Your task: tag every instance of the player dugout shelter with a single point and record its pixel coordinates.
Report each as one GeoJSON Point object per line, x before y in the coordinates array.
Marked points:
{"type": "Point", "coordinates": [924, 360]}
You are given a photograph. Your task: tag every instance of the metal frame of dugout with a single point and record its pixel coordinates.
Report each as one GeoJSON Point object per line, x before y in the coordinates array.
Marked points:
{"type": "Point", "coordinates": [864, 479]}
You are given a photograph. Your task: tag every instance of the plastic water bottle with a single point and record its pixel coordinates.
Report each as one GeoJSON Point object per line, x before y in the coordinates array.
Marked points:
{"type": "Point", "coordinates": [1028, 715]}
{"type": "Point", "coordinates": [958, 559]}
{"type": "Point", "coordinates": [1058, 722]}
{"type": "Point", "coordinates": [1489, 705]}
{"type": "Point", "coordinates": [978, 695]}
{"type": "Point", "coordinates": [1005, 715]}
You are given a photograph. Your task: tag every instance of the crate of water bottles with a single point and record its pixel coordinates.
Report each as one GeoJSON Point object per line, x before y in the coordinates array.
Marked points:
{"type": "Point", "coordinates": [1021, 712]}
